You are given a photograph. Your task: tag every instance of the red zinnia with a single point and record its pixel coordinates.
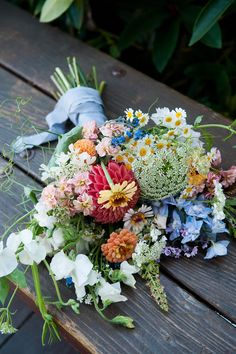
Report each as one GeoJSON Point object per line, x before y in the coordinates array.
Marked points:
{"type": "Point", "coordinates": [112, 202]}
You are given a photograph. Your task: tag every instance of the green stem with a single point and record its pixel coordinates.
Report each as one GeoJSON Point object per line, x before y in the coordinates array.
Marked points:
{"type": "Point", "coordinates": [108, 177]}
{"type": "Point", "coordinates": [12, 297]}
{"type": "Point", "coordinates": [54, 282]}
{"type": "Point", "coordinates": [40, 300]}
{"type": "Point", "coordinates": [227, 127]}
{"type": "Point", "coordinates": [16, 223]}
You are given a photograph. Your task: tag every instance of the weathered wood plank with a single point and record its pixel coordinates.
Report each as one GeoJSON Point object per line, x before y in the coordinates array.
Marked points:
{"type": "Point", "coordinates": [32, 50]}
{"type": "Point", "coordinates": [22, 313]}
{"type": "Point", "coordinates": [178, 331]}
{"type": "Point", "coordinates": [204, 275]}
{"type": "Point", "coordinates": [28, 340]}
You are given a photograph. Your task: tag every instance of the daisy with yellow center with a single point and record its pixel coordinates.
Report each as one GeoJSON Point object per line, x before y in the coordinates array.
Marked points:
{"type": "Point", "coordinates": [119, 158]}
{"type": "Point", "coordinates": [144, 120]}
{"type": "Point", "coordinates": [135, 220]}
{"type": "Point", "coordinates": [139, 114]}
{"type": "Point", "coordinates": [161, 145]}
{"type": "Point", "coordinates": [118, 196]}
{"type": "Point", "coordinates": [148, 140]}
{"type": "Point", "coordinates": [129, 114]}
{"type": "Point", "coordinates": [180, 113]}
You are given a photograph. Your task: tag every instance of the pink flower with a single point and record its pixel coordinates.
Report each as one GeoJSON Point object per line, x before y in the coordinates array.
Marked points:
{"type": "Point", "coordinates": [211, 177]}
{"type": "Point", "coordinates": [49, 196]}
{"type": "Point", "coordinates": [84, 204]}
{"type": "Point", "coordinates": [111, 129]}
{"type": "Point", "coordinates": [90, 130]}
{"type": "Point", "coordinates": [64, 188]}
{"type": "Point", "coordinates": [216, 160]}
{"type": "Point", "coordinates": [228, 177]}
{"type": "Point", "coordinates": [105, 148]}
{"type": "Point", "coordinates": [80, 182]}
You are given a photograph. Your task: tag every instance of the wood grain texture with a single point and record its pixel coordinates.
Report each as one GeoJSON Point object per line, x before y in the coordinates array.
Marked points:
{"type": "Point", "coordinates": [28, 341]}
{"type": "Point", "coordinates": [22, 313]}
{"type": "Point", "coordinates": [205, 275]}
{"type": "Point", "coordinates": [32, 51]}
{"type": "Point", "coordinates": [189, 327]}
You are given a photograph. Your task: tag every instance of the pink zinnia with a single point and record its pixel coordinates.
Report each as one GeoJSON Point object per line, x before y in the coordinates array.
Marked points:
{"type": "Point", "coordinates": [111, 203]}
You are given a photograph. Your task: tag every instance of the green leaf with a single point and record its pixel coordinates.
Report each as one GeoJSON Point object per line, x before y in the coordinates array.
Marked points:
{"type": "Point", "coordinates": [4, 289]}
{"type": "Point", "coordinates": [18, 277]}
{"type": "Point", "coordinates": [38, 7]}
{"type": "Point", "coordinates": [29, 193]}
{"type": "Point", "coordinates": [198, 120]}
{"type": "Point", "coordinates": [52, 9]}
{"type": "Point", "coordinates": [69, 138]}
{"type": "Point", "coordinates": [76, 13]}
{"type": "Point", "coordinates": [141, 23]}
{"type": "Point", "coordinates": [207, 18]}
{"type": "Point", "coordinates": [164, 46]}
{"type": "Point", "coordinates": [213, 38]}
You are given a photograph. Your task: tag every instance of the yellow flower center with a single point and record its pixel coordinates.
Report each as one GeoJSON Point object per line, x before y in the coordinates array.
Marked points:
{"type": "Point", "coordinates": [137, 218]}
{"type": "Point", "coordinates": [119, 158]}
{"type": "Point", "coordinates": [148, 141]}
{"type": "Point", "coordinates": [118, 196]}
{"type": "Point", "coordinates": [142, 152]}
{"type": "Point", "coordinates": [129, 114]}
{"type": "Point", "coordinates": [178, 123]}
{"type": "Point", "coordinates": [178, 115]}
{"type": "Point", "coordinates": [168, 119]}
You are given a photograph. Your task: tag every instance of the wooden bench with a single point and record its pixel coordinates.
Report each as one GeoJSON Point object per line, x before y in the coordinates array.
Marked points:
{"type": "Point", "coordinates": [201, 294]}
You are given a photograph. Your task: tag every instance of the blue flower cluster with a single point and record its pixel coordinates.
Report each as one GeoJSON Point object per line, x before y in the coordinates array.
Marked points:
{"type": "Point", "coordinates": [189, 221]}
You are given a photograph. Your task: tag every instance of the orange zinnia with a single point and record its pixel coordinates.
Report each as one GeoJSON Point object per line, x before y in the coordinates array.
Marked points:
{"type": "Point", "coordinates": [85, 145]}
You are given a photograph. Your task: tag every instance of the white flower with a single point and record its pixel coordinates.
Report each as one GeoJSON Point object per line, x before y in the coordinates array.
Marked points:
{"type": "Point", "coordinates": [83, 274]}
{"type": "Point", "coordinates": [128, 269]}
{"type": "Point", "coordinates": [217, 249]}
{"type": "Point", "coordinates": [129, 113]}
{"type": "Point", "coordinates": [42, 216]}
{"type": "Point", "coordinates": [34, 250]}
{"type": "Point", "coordinates": [219, 202]}
{"type": "Point", "coordinates": [110, 292]}
{"type": "Point", "coordinates": [8, 261]}
{"type": "Point", "coordinates": [136, 219]}
{"type": "Point", "coordinates": [155, 233]}
{"type": "Point", "coordinates": [57, 239]}
{"type": "Point", "coordinates": [61, 266]}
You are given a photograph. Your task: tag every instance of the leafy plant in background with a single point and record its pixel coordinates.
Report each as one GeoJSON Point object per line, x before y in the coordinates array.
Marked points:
{"type": "Point", "coordinates": [187, 44]}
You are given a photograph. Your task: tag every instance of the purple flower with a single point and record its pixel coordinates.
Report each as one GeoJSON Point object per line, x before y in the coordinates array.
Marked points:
{"type": "Point", "coordinates": [190, 252]}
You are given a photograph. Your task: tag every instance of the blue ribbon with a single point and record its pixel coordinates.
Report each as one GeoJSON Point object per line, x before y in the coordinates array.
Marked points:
{"type": "Point", "coordinates": [79, 105]}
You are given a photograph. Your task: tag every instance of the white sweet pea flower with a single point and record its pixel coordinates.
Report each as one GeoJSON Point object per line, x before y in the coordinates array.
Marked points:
{"type": "Point", "coordinates": [217, 249]}
{"type": "Point", "coordinates": [57, 239]}
{"type": "Point", "coordinates": [8, 261]}
{"type": "Point", "coordinates": [83, 274]}
{"type": "Point", "coordinates": [110, 292]}
{"type": "Point", "coordinates": [42, 216]}
{"type": "Point", "coordinates": [128, 269]}
{"type": "Point", "coordinates": [34, 250]}
{"type": "Point", "coordinates": [154, 234]}
{"type": "Point", "coordinates": [61, 266]}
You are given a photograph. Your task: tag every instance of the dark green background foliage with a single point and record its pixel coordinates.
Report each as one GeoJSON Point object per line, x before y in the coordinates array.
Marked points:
{"type": "Point", "coordinates": [189, 45]}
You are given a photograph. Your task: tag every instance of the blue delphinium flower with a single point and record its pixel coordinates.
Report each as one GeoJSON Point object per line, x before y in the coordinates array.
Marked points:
{"type": "Point", "coordinates": [197, 209]}
{"type": "Point", "coordinates": [215, 226]}
{"type": "Point", "coordinates": [191, 229]}
{"type": "Point", "coordinates": [217, 249]}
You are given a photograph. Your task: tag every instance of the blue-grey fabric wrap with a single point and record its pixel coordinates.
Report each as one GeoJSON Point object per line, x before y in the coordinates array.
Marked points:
{"type": "Point", "coordinates": [79, 105]}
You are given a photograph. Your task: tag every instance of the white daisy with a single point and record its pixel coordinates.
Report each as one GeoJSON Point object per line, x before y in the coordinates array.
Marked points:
{"type": "Point", "coordinates": [135, 220]}
{"type": "Point", "coordinates": [129, 113]}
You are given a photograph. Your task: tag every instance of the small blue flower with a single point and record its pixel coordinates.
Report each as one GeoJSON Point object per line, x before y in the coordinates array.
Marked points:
{"type": "Point", "coordinates": [217, 249]}
{"type": "Point", "coordinates": [69, 282]}
{"type": "Point", "coordinates": [216, 226]}
{"type": "Point", "coordinates": [191, 229]}
{"type": "Point", "coordinates": [129, 134]}
{"type": "Point", "coordinates": [114, 142]}
{"type": "Point", "coordinates": [139, 134]}
{"type": "Point", "coordinates": [121, 139]}
{"type": "Point", "coordinates": [197, 209]}
{"type": "Point", "coordinates": [135, 122]}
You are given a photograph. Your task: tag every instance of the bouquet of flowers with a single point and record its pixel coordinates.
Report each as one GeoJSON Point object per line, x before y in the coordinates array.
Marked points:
{"type": "Point", "coordinates": [120, 195]}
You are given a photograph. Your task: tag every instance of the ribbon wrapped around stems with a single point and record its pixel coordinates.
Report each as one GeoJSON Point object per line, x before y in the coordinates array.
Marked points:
{"type": "Point", "coordinates": [79, 105]}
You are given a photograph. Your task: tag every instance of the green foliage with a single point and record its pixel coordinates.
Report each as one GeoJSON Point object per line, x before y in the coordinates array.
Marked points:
{"type": "Point", "coordinates": [18, 277]}
{"type": "Point", "coordinates": [4, 289]}
{"type": "Point", "coordinates": [52, 9]}
{"type": "Point", "coordinates": [208, 17]}
{"type": "Point", "coordinates": [187, 44]}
